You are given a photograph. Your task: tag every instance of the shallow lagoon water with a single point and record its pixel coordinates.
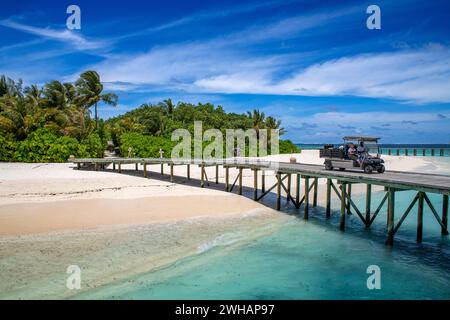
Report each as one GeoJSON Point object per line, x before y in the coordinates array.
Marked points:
{"type": "Point", "coordinates": [301, 259]}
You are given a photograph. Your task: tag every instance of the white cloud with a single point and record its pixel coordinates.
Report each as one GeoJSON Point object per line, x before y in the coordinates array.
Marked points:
{"type": "Point", "coordinates": [420, 76]}
{"type": "Point", "coordinates": [67, 36]}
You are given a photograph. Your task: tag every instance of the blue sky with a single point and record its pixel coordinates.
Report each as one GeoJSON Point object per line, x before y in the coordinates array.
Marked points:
{"type": "Point", "coordinates": [313, 64]}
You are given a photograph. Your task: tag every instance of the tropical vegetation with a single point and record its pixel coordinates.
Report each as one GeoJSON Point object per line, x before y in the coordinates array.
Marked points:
{"type": "Point", "coordinates": [53, 122]}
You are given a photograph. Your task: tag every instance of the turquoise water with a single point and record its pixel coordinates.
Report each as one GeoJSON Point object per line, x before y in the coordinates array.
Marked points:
{"type": "Point", "coordinates": [306, 260]}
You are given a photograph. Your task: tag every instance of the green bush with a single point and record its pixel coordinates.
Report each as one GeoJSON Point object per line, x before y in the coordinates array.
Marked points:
{"type": "Point", "coordinates": [8, 147]}
{"type": "Point", "coordinates": [44, 146]}
{"type": "Point", "coordinates": [286, 146]}
{"type": "Point", "coordinates": [145, 146]}
{"type": "Point", "coordinates": [94, 146]}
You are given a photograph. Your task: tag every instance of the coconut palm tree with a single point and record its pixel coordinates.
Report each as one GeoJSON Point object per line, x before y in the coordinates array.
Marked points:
{"type": "Point", "coordinates": [272, 124]}
{"type": "Point", "coordinates": [257, 118]}
{"type": "Point", "coordinates": [89, 92]}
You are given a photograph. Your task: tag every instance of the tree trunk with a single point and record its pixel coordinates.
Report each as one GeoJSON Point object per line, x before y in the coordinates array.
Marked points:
{"type": "Point", "coordinates": [96, 116]}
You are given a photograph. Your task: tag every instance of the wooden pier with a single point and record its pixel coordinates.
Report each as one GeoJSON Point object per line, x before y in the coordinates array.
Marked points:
{"type": "Point", "coordinates": [434, 152]}
{"type": "Point", "coordinates": [337, 182]}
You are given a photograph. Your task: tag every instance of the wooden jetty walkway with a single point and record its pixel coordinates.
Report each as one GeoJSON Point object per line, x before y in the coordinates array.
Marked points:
{"type": "Point", "coordinates": [338, 182]}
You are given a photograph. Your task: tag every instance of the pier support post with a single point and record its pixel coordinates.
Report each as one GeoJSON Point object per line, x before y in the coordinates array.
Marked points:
{"type": "Point", "coordinates": [240, 182]}
{"type": "Point", "coordinates": [288, 187]}
{"type": "Point", "coordinates": [445, 214]}
{"type": "Point", "coordinates": [217, 174]}
{"type": "Point", "coordinates": [390, 217]}
{"type": "Point", "coordinates": [120, 167]}
{"type": "Point", "coordinates": [227, 179]}
{"type": "Point", "coordinates": [162, 168]}
{"type": "Point", "coordinates": [368, 203]}
{"type": "Point", "coordinates": [255, 184]}
{"type": "Point", "coordinates": [171, 172]}
{"type": "Point", "coordinates": [78, 166]}
{"type": "Point", "coordinates": [343, 206]}
{"type": "Point", "coordinates": [137, 167]}
{"type": "Point", "coordinates": [96, 166]}
{"type": "Point", "coordinates": [202, 175]}
{"type": "Point", "coordinates": [145, 170]}
{"type": "Point", "coordinates": [189, 172]}
{"type": "Point", "coordinates": [306, 207]}
{"type": "Point", "coordinates": [328, 206]}
{"type": "Point", "coordinates": [263, 181]}
{"type": "Point", "coordinates": [278, 191]}
{"type": "Point", "coordinates": [297, 191]}
{"type": "Point", "coordinates": [420, 218]}
{"type": "Point", "coordinates": [114, 166]}
{"type": "Point", "coordinates": [349, 196]}
{"type": "Point", "coordinates": [316, 186]}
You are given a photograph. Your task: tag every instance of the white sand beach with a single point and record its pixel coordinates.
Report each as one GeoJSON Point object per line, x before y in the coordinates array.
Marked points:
{"type": "Point", "coordinates": [52, 216]}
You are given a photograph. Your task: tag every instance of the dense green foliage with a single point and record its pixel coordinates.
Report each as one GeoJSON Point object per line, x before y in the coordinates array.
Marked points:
{"type": "Point", "coordinates": [51, 123]}
{"type": "Point", "coordinates": [152, 126]}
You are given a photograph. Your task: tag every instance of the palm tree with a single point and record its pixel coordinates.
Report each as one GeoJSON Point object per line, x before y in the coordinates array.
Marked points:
{"type": "Point", "coordinates": [89, 92]}
{"type": "Point", "coordinates": [168, 104]}
{"type": "Point", "coordinates": [257, 119]}
{"type": "Point", "coordinates": [271, 123]}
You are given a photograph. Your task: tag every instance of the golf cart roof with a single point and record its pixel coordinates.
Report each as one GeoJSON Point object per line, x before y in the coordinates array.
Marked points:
{"type": "Point", "coordinates": [360, 138]}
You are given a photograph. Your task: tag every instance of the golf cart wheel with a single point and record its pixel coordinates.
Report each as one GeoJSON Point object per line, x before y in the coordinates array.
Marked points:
{"type": "Point", "coordinates": [381, 169]}
{"type": "Point", "coordinates": [328, 166]}
{"type": "Point", "coordinates": [368, 169]}
{"type": "Point", "coordinates": [341, 169]}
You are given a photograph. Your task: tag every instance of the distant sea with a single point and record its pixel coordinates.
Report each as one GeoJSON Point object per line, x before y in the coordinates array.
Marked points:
{"type": "Point", "coordinates": [403, 148]}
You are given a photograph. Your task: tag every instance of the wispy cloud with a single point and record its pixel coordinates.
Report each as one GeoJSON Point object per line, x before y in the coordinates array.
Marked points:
{"type": "Point", "coordinates": [63, 35]}
{"type": "Point", "coordinates": [419, 76]}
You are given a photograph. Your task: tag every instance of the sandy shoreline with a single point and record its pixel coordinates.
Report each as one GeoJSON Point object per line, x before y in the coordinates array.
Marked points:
{"type": "Point", "coordinates": [91, 213]}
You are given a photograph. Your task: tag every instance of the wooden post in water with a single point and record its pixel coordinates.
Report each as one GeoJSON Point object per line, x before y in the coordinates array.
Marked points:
{"type": "Point", "coordinates": [424, 152]}
{"type": "Point", "coordinates": [255, 184]}
{"type": "Point", "coordinates": [441, 152]}
{"type": "Point", "coordinates": [328, 196]}
{"type": "Point", "coordinates": [432, 152]}
{"type": "Point", "coordinates": [278, 191]}
{"type": "Point", "coordinates": [145, 170]}
{"type": "Point", "coordinates": [171, 172]}
{"type": "Point", "coordinates": [445, 214]}
{"type": "Point", "coordinates": [368, 203]}
{"type": "Point", "coordinates": [288, 187]}
{"type": "Point", "coordinates": [162, 168]}
{"type": "Point", "coordinates": [389, 151]}
{"type": "Point", "coordinates": [136, 167]}
{"type": "Point", "coordinates": [349, 196]}
{"type": "Point", "coordinates": [398, 152]}
{"type": "Point", "coordinates": [240, 181]}
{"type": "Point", "coordinates": [297, 191]}
{"type": "Point", "coordinates": [114, 166]}
{"type": "Point", "coordinates": [316, 186]}
{"type": "Point", "coordinates": [390, 217]}
{"type": "Point", "coordinates": [227, 179]}
{"type": "Point", "coordinates": [217, 174]}
{"type": "Point", "coordinates": [420, 218]}
{"type": "Point", "coordinates": [188, 172]}
{"type": "Point", "coordinates": [415, 152]}
{"type": "Point", "coordinates": [343, 206]}
{"type": "Point", "coordinates": [306, 207]}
